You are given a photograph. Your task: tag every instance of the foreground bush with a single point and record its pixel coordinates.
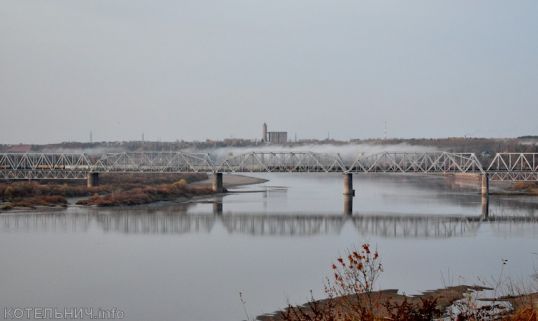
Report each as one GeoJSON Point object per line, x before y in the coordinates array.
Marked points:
{"type": "Point", "coordinates": [351, 296]}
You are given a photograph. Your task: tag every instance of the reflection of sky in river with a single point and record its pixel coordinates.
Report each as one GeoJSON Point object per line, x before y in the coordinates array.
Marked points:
{"type": "Point", "coordinates": [184, 263]}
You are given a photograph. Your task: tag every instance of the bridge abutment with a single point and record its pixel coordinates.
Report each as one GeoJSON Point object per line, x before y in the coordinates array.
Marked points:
{"type": "Point", "coordinates": [216, 183]}
{"type": "Point", "coordinates": [93, 179]}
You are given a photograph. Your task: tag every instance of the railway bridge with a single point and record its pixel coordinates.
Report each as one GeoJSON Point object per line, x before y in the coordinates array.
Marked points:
{"type": "Point", "coordinates": [41, 166]}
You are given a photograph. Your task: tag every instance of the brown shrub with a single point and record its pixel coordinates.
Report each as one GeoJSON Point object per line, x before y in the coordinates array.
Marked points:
{"type": "Point", "coordinates": [405, 311]}
{"type": "Point", "coordinates": [351, 295]}
{"type": "Point", "coordinates": [32, 202]}
{"type": "Point", "coordinates": [138, 195]}
{"type": "Point", "coordinates": [119, 189]}
{"type": "Point", "coordinates": [523, 314]}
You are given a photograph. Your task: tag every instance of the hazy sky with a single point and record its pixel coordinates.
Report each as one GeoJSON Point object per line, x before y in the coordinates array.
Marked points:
{"type": "Point", "coordinates": [176, 69]}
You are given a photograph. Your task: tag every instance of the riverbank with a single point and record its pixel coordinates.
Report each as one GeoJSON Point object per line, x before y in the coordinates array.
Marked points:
{"type": "Point", "coordinates": [442, 304]}
{"type": "Point", "coordinates": [474, 182]}
{"type": "Point", "coordinates": [115, 190]}
{"type": "Point", "coordinates": [351, 295]}
{"type": "Point", "coordinates": [232, 180]}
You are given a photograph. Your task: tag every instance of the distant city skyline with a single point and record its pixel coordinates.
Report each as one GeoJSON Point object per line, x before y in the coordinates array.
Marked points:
{"type": "Point", "coordinates": [208, 69]}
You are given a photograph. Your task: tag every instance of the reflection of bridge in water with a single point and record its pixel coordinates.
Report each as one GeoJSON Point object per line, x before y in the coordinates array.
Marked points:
{"type": "Point", "coordinates": [291, 225]}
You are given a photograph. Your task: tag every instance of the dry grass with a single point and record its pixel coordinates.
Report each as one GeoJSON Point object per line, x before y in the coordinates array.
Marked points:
{"type": "Point", "coordinates": [115, 189]}
{"type": "Point", "coordinates": [145, 195]}
{"type": "Point", "coordinates": [530, 188]}
{"type": "Point", "coordinates": [33, 202]}
{"type": "Point", "coordinates": [351, 297]}
{"type": "Point", "coordinates": [526, 307]}
{"type": "Point", "coordinates": [523, 314]}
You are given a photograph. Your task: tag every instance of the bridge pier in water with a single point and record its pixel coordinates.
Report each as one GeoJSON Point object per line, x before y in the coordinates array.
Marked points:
{"type": "Point", "coordinates": [485, 184]}
{"type": "Point", "coordinates": [348, 205]}
{"type": "Point", "coordinates": [216, 183]}
{"type": "Point", "coordinates": [349, 193]}
{"type": "Point", "coordinates": [484, 191]}
{"type": "Point", "coordinates": [348, 185]}
{"type": "Point", "coordinates": [93, 179]}
{"type": "Point", "coordinates": [217, 206]}
{"type": "Point", "coordinates": [485, 206]}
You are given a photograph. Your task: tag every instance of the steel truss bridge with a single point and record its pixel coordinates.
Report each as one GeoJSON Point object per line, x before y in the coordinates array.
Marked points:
{"type": "Point", "coordinates": [503, 166]}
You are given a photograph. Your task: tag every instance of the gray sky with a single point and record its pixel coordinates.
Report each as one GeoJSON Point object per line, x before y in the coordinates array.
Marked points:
{"type": "Point", "coordinates": [199, 69]}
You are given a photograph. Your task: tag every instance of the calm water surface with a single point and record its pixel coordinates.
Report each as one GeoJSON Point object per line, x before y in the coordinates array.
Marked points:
{"type": "Point", "coordinates": [273, 244]}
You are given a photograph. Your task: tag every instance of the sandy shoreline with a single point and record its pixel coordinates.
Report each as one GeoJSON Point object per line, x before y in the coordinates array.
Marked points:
{"type": "Point", "coordinates": [232, 180]}
{"type": "Point", "coordinates": [446, 297]}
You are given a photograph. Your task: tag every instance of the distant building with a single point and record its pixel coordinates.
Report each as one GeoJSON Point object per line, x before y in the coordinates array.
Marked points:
{"type": "Point", "coordinates": [274, 137]}
{"type": "Point", "coordinates": [277, 137]}
{"type": "Point", "coordinates": [264, 137]}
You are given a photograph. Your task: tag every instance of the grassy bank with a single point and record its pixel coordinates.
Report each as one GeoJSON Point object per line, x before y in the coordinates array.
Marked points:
{"type": "Point", "coordinates": [146, 194]}
{"type": "Point", "coordinates": [530, 188]}
{"type": "Point", "coordinates": [115, 189]}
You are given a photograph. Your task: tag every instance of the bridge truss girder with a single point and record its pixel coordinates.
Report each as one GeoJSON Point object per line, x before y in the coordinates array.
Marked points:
{"type": "Point", "coordinates": [432, 162]}
{"type": "Point", "coordinates": [503, 167]}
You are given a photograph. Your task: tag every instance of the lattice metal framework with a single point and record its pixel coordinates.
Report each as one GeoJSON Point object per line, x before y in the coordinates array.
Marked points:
{"type": "Point", "coordinates": [504, 166]}
{"type": "Point", "coordinates": [432, 162]}
{"type": "Point", "coordinates": [283, 162]}
{"type": "Point", "coordinates": [514, 167]}
{"type": "Point", "coordinates": [154, 162]}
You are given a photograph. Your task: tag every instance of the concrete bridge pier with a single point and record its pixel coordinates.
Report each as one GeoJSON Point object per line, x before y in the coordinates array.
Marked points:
{"type": "Point", "coordinates": [348, 185]}
{"type": "Point", "coordinates": [217, 207]}
{"type": "Point", "coordinates": [93, 179]}
{"type": "Point", "coordinates": [485, 184]}
{"type": "Point", "coordinates": [485, 206]}
{"type": "Point", "coordinates": [349, 193]}
{"type": "Point", "coordinates": [348, 204]}
{"type": "Point", "coordinates": [216, 183]}
{"type": "Point", "coordinates": [485, 195]}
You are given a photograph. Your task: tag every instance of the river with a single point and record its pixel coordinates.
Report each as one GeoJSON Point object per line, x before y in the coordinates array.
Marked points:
{"type": "Point", "coordinates": [274, 242]}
